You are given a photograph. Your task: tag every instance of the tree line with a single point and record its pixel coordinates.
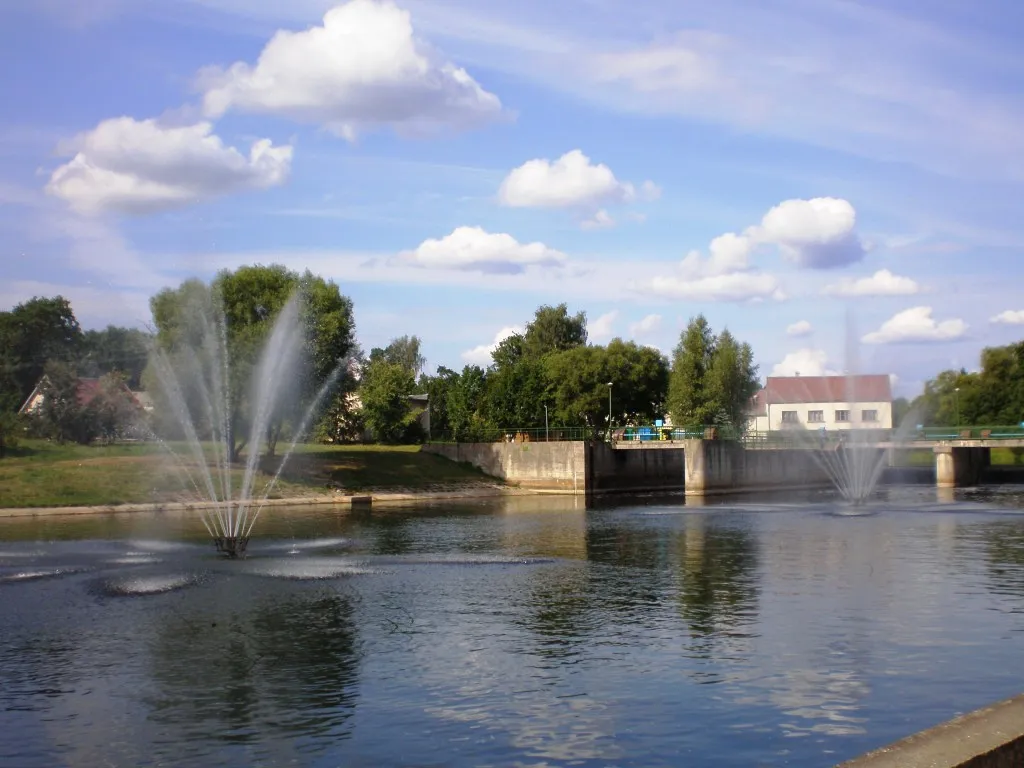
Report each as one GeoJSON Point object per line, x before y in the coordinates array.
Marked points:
{"type": "Point", "coordinates": [550, 373]}
{"type": "Point", "coordinates": [550, 376]}
{"type": "Point", "coordinates": [992, 396]}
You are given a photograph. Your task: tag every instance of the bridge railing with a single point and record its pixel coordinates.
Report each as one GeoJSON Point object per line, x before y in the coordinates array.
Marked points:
{"type": "Point", "coordinates": [516, 435]}
{"type": "Point", "coordinates": [995, 432]}
{"type": "Point", "coordinates": [799, 436]}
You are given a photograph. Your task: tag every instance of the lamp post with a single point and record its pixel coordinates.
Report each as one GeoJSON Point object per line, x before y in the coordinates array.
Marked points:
{"type": "Point", "coordinates": [956, 397]}
{"type": "Point", "coordinates": [547, 434]}
{"type": "Point", "coordinates": [609, 411]}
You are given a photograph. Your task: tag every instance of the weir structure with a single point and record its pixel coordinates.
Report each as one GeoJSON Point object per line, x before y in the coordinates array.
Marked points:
{"type": "Point", "coordinates": [704, 467]}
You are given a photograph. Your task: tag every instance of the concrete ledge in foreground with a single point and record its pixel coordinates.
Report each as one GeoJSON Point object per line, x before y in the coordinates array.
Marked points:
{"type": "Point", "coordinates": [991, 737]}
{"type": "Point", "coordinates": [337, 500]}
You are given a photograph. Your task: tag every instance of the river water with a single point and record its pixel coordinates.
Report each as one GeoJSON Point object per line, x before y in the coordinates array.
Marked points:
{"type": "Point", "coordinates": [766, 631]}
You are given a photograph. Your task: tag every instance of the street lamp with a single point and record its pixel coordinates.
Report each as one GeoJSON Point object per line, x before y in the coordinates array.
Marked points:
{"type": "Point", "coordinates": [610, 410]}
{"type": "Point", "coordinates": [956, 397]}
{"type": "Point", "coordinates": [547, 435]}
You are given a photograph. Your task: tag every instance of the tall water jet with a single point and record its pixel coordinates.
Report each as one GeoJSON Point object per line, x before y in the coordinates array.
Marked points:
{"type": "Point", "coordinates": [853, 458]}
{"type": "Point", "coordinates": [198, 386]}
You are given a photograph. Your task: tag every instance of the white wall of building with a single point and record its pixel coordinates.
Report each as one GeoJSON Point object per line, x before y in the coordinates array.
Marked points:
{"type": "Point", "coordinates": [857, 416]}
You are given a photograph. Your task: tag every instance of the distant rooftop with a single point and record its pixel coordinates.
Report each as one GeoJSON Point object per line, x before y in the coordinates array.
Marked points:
{"type": "Point", "coordinates": [866, 388]}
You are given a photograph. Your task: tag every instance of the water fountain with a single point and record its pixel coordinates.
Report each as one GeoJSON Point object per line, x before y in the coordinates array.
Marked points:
{"type": "Point", "coordinates": [853, 459]}
{"type": "Point", "coordinates": [197, 385]}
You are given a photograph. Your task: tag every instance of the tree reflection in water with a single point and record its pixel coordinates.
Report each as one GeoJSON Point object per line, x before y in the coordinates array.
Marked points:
{"type": "Point", "coordinates": [287, 664]}
{"type": "Point", "coordinates": [718, 582]}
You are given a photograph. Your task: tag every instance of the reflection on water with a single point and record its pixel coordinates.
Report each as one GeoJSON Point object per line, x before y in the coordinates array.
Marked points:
{"type": "Point", "coordinates": [522, 632]}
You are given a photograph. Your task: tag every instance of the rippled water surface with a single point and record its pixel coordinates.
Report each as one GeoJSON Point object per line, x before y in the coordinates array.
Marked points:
{"type": "Point", "coordinates": [527, 631]}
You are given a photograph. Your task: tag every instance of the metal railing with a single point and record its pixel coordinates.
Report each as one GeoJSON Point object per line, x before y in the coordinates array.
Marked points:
{"type": "Point", "coordinates": [518, 435]}
{"type": "Point", "coordinates": [797, 436]}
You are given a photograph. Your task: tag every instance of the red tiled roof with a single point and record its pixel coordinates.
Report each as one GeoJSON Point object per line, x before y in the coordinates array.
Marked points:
{"type": "Point", "coordinates": [87, 389]}
{"type": "Point", "coordinates": [870, 388]}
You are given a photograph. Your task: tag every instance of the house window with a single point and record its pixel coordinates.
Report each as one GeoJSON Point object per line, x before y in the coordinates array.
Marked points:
{"type": "Point", "coordinates": [816, 417]}
{"type": "Point", "coordinates": [789, 417]}
{"type": "Point", "coordinates": [869, 415]}
{"type": "Point", "coordinates": [842, 415]}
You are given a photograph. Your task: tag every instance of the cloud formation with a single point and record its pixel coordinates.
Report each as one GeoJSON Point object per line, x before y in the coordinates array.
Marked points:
{"type": "Point", "coordinates": [804, 362]}
{"type": "Point", "coordinates": [916, 325]}
{"type": "Point", "coordinates": [141, 166]}
{"type": "Point", "coordinates": [600, 220]}
{"type": "Point", "coordinates": [1009, 317]}
{"type": "Point", "coordinates": [571, 181]}
{"type": "Point", "coordinates": [882, 283]}
{"type": "Point", "coordinates": [816, 234]}
{"type": "Point", "coordinates": [474, 249]}
{"type": "Point", "coordinates": [799, 328]}
{"type": "Point", "coordinates": [361, 68]}
{"type": "Point", "coordinates": [603, 328]}
{"type": "Point", "coordinates": [648, 324]}
{"type": "Point", "coordinates": [482, 355]}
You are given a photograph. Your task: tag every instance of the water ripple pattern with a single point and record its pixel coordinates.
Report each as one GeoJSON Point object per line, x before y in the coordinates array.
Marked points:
{"type": "Point", "coordinates": [516, 632]}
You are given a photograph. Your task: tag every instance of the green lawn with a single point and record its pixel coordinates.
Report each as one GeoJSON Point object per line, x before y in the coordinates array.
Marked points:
{"type": "Point", "coordinates": [925, 457]}
{"type": "Point", "coordinates": [44, 474]}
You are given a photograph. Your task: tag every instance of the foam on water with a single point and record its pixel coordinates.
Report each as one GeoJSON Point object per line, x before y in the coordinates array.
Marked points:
{"type": "Point", "coordinates": [461, 558]}
{"type": "Point", "coordinates": [148, 585]}
{"type": "Point", "coordinates": [37, 573]}
{"type": "Point", "coordinates": [307, 569]}
{"type": "Point", "coordinates": [134, 559]}
{"type": "Point", "coordinates": [298, 546]}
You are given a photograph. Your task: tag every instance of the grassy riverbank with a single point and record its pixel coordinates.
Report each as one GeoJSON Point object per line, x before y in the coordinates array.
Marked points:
{"type": "Point", "coordinates": [44, 474]}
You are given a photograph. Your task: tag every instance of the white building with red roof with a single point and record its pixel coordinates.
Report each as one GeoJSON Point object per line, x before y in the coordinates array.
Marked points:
{"type": "Point", "coordinates": [822, 402]}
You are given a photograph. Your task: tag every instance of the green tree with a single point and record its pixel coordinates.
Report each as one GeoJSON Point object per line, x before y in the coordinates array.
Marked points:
{"type": "Point", "coordinates": [112, 413]}
{"type": "Point", "coordinates": [465, 404]}
{"type": "Point", "coordinates": [579, 386]}
{"type": "Point", "coordinates": [62, 414]}
{"type": "Point", "coordinates": [731, 381]}
{"type": "Point", "coordinates": [115, 350]}
{"type": "Point", "coordinates": [250, 300]}
{"type": "Point", "coordinates": [12, 427]}
{"type": "Point", "coordinates": [901, 409]}
{"type": "Point", "coordinates": [553, 329]}
{"type": "Point", "coordinates": [639, 377]}
{"type": "Point", "coordinates": [516, 393]}
{"type": "Point", "coordinates": [688, 401]}
{"type": "Point", "coordinates": [384, 391]}
{"type": "Point", "coordinates": [31, 334]}
{"type": "Point", "coordinates": [712, 379]}
{"type": "Point", "coordinates": [404, 351]}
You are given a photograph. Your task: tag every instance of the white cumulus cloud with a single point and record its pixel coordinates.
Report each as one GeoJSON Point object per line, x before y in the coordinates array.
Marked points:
{"type": "Point", "coordinates": [738, 286]}
{"type": "Point", "coordinates": [817, 234]}
{"type": "Point", "coordinates": [882, 283]}
{"type": "Point", "coordinates": [474, 249]}
{"type": "Point", "coordinates": [571, 181]}
{"type": "Point", "coordinates": [481, 355]}
{"type": "Point", "coordinates": [1010, 317]}
{"type": "Point", "coordinates": [647, 325]}
{"type": "Point", "coordinates": [603, 327]}
{"type": "Point", "coordinates": [916, 325]}
{"type": "Point", "coordinates": [799, 328]}
{"type": "Point", "coordinates": [600, 220]}
{"type": "Point", "coordinates": [804, 362]}
{"type": "Point", "coordinates": [140, 166]}
{"type": "Point", "coordinates": [362, 67]}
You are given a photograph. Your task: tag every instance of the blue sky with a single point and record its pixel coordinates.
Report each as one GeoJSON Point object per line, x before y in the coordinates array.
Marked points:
{"type": "Point", "coordinates": [454, 164]}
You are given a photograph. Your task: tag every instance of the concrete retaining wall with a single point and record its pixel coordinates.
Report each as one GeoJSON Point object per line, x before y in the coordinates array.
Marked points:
{"type": "Point", "coordinates": [992, 737]}
{"type": "Point", "coordinates": [554, 466]}
{"type": "Point", "coordinates": [612, 470]}
{"type": "Point", "coordinates": [719, 466]}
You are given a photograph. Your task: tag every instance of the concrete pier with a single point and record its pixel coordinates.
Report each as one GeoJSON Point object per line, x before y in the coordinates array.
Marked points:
{"type": "Point", "coordinates": [960, 466]}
